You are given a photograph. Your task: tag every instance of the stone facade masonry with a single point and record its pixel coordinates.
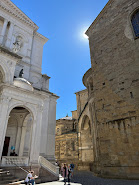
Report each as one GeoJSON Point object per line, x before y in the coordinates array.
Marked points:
{"type": "Point", "coordinates": [113, 84]}
{"type": "Point", "coordinates": [74, 136]}
{"type": "Point", "coordinates": [66, 146]}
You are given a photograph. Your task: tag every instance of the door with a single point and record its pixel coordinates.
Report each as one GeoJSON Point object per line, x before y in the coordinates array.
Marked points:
{"type": "Point", "coordinates": [6, 146]}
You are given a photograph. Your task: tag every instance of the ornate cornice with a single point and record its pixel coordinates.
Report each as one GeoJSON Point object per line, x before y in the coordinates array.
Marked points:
{"type": "Point", "coordinates": [40, 36]}
{"type": "Point", "coordinates": [9, 53]}
{"type": "Point", "coordinates": [16, 12]}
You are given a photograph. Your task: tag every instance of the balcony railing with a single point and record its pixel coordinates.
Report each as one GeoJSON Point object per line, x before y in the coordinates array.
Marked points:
{"type": "Point", "coordinates": [14, 160]}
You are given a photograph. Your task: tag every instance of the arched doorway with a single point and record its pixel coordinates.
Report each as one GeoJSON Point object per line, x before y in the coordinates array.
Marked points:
{"type": "Point", "coordinates": [18, 133]}
{"type": "Point", "coordinates": [86, 141]}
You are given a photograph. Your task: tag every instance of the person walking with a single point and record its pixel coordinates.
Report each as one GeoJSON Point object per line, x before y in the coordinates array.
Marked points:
{"type": "Point", "coordinates": [69, 174]}
{"type": "Point", "coordinates": [65, 173]}
{"type": "Point", "coordinates": [61, 169]}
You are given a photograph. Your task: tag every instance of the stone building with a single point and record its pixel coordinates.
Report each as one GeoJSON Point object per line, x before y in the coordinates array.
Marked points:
{"type": "Point", "coordinates": [84, 131]}
{"type": "Point", "coordinates": [27, 107]}
{"type": "Point", "coordinates": [74, 135]}
{"type": "Point", "coordinates": [66, 146]}
{"type": "Point", "coordinates": [113, 85]}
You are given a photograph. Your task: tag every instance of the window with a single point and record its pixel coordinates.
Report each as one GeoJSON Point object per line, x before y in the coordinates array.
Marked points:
{"type": "Point", "coordinates": [135, 23]}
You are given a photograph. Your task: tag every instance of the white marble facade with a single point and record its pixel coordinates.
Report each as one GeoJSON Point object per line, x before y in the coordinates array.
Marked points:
{"type": "Point", "coordinates": [27, 107]}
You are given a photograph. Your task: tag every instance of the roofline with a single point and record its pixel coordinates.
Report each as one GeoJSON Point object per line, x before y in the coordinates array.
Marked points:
{"type": "Point", "coordinates": [22, 16]}
{"type": "Point", "coordinates": [73, 110]}
{"type": "Point", "coordinates": [45, 39]}
{"type": "Point", "coordinates": [80, 91]}
{"type": "Point", "coordinates": [98, 17]}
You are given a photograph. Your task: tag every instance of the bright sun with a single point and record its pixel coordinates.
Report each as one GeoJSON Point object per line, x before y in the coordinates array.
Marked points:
{"type": "Point", "coordinates": [85, 36]}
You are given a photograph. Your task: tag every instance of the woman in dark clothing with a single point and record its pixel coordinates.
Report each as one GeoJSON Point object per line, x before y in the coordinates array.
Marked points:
{"type": "Point", "coordinates": [69, 174]}
{"type": "Point", "coordinates": [65, 173]}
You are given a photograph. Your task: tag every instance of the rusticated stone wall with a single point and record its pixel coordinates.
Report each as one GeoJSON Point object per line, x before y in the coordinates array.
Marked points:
{"type": "Point", "coordinates": [114, 96]}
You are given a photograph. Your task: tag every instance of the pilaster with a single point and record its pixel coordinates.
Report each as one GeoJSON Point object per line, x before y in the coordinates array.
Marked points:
{"type": "Point", "coordinates": [4, 104]}
{"type": "Point", "coordinates": [8, 41]}
{"type": "Point", "coordinates": [22, 141]}
{"type": "Point", "coordinates": [3, 31]}
{"type": "Point", "coordinates": [18, 137]}
{"type": "Point", "coordinates": [36, 137]}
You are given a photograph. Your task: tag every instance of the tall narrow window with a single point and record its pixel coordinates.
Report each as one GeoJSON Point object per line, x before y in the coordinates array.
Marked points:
{"type": "Point", "coordinates": [135, 23]}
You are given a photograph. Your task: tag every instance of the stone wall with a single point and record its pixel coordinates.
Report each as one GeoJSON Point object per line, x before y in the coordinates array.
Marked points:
{"type": "Point", "coordinates": [74, 136]}
{"type": "Point", "coordinates": [114, 100]}
{"type": "Point", "coordinates": [66, 146]}
{"type": "Point", "coordinates": [81, 99]}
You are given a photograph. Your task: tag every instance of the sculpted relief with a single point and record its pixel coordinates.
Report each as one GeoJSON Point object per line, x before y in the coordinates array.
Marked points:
{"type": "Point", "coordinates": [18, 44]}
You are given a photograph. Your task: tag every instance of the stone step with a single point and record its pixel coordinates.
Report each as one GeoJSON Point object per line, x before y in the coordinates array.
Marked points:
{"type": "Point", "coordinates": [5, 182]}
{"type": "Point", "coordinates": [17, 182]}
{"type": "Point", "coordinates": [8, 177]}
{"type": "Point", "coordinates": [4, 172]}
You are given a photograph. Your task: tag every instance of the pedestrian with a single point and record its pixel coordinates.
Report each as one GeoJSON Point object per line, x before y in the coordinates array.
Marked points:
{"type": "Point", "coordinates": [65, 173]}
{"type": "Point", "coordinates": [13, 153]}
{"type": "Point", "coordinates": [61, 169]}
{"type": "Point", "coordinates": [69, 174]}
{"type": "Point", "coordinates": [30, 178]}
{"type": "Point", "coordinates": [72, 167]}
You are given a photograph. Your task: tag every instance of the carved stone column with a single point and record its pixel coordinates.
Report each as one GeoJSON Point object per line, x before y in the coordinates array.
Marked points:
{"type": "Point", "coordinates": [36, 137]}
{"type": "Point", "coordinates": [4, 104]}
{"type": "Point", "coordinates": [22, 141]}
{"type": "Point", "coordinates": [9, 37]}
{"type": "Point", "coordinates": [18, 137]}
{"type": "Point", "coordinates": [3, 31]}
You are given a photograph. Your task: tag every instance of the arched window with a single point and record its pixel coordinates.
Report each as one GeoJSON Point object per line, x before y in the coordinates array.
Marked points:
{"type": "Point", "coordinates": [135, 23]}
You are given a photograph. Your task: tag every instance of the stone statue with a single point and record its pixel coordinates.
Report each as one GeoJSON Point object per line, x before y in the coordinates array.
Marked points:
{"type": "Point", "coordinates": [18, 44]}
{"type": "Point", "coordinates": [21, 73]}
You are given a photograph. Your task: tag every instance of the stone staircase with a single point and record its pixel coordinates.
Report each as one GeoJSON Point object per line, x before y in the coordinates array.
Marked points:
{"type": "Point", "coordinates": [6, 177]}
{"type": "Point", "coordinates": [48, 172]}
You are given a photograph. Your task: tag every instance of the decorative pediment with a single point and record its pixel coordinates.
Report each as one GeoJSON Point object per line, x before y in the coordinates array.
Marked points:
{"type": "Point", "coordinates": [12, 9]}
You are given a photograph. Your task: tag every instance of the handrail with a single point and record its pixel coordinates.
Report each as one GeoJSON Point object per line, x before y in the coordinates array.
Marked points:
{"type": "Point", "coordinates": [49, 166]}
{"type": "Point", "coordinates": [21, 168]}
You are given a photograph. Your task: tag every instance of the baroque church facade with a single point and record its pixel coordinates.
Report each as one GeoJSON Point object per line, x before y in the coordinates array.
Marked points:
{"type": "Point", "coordinates": [113, 86]}
{"type": "Point", "coordinates": [27, 107]}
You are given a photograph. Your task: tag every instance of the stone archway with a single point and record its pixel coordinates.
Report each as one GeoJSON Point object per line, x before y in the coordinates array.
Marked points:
{"type": "Point", "coordinates": [18, 133]}
{"type": "Point", "coordinates": [1, 75]}
{"type": "Point", "coordinates": [86, 142]}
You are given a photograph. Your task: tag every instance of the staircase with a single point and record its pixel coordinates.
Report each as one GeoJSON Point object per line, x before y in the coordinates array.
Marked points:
{"type": "Point", "coordinates": [48, 171]}
{"type": "Point", "coordinates": [6, 177]}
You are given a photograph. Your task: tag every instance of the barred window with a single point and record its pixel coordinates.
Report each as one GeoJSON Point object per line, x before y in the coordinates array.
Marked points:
{"type": "Point", "coordinates": [135, 23]}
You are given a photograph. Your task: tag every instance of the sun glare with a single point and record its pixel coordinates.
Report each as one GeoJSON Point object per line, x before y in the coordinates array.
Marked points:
{"type": "Point", "coordinates": [85, 36]}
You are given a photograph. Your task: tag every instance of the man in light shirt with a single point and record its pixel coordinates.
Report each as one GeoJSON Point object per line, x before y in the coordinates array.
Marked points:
{"type": "Point", "coordinates": [30, 178]}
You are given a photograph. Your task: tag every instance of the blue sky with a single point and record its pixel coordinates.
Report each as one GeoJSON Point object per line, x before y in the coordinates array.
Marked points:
{"type": "Point", "coordinates": [66, 56]}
